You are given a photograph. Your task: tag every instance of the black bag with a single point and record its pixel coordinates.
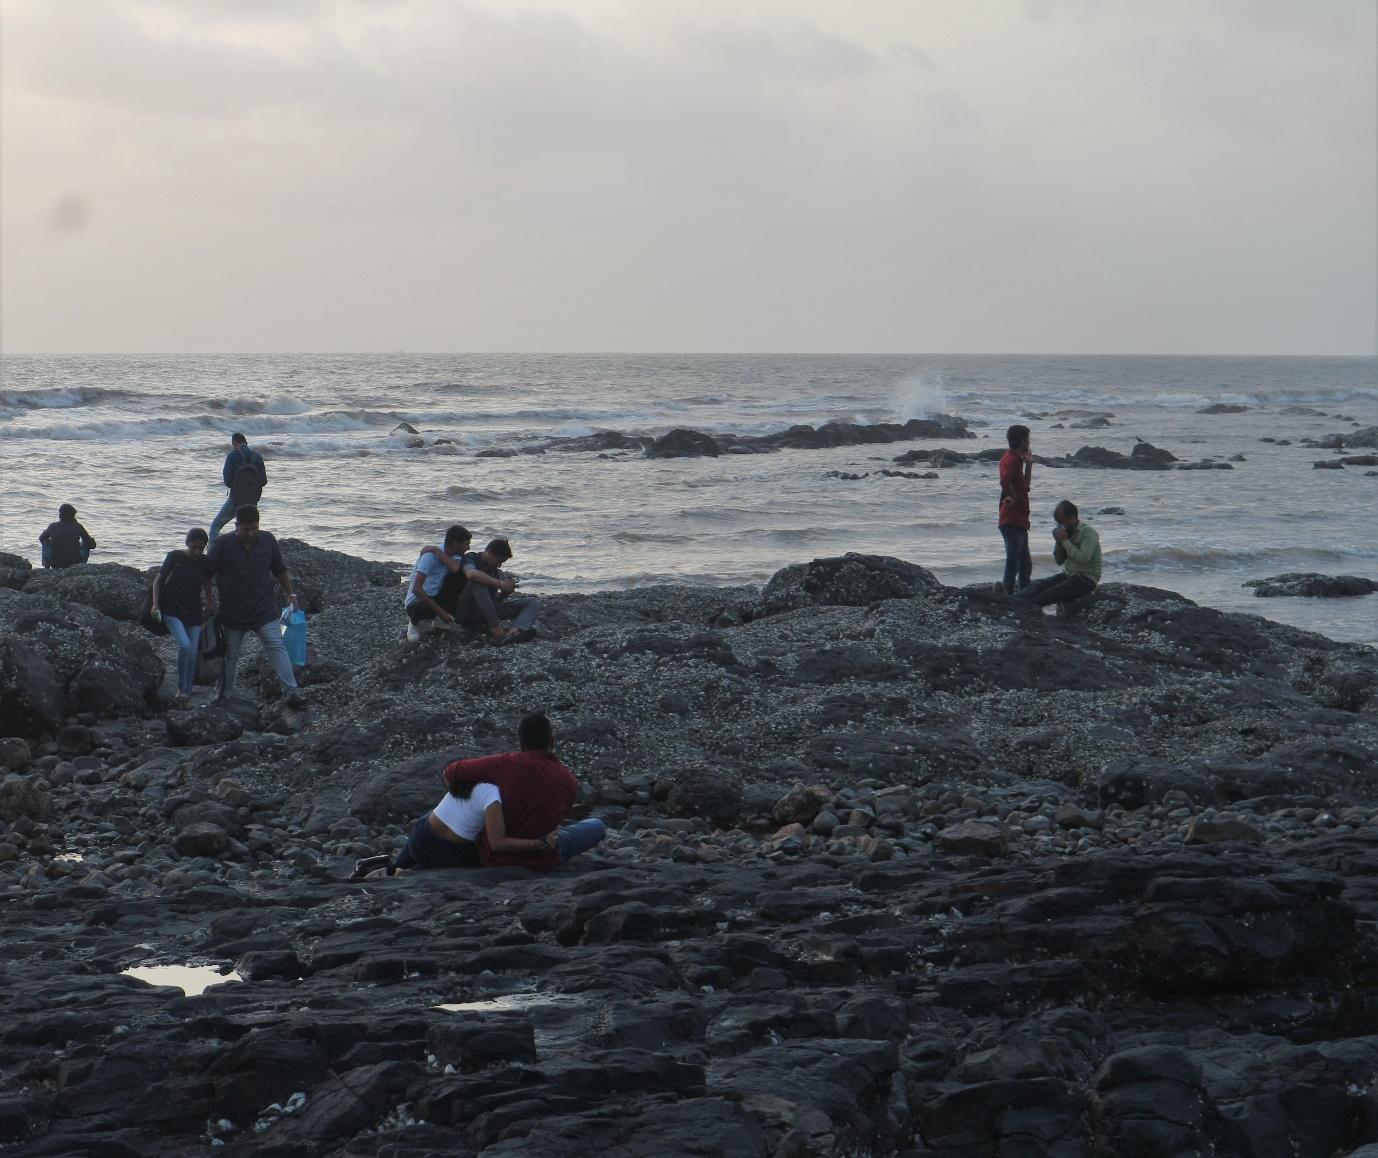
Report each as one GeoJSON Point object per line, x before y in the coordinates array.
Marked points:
{"type": "Point", "coordinates": [146, 620]}
{"type": "Point", "coordinates": [210, 655]}
{"type": "Point", "coordinates": [246, 484]}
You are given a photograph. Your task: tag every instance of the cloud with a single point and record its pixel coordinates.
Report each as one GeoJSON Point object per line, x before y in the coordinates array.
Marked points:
{"type": "Point", "coordinates": [760, 173]}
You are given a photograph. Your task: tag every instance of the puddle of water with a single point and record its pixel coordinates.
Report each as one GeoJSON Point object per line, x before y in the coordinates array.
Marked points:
{"type": "Point", "coordinates": [507, 1003]}
{"type": "Point", "coordinates": [74, 857]}
{"type": "Point", "coordinates": [190, 979]}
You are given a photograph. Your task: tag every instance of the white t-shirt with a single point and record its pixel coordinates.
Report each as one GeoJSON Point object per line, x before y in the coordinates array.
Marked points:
{"type": "Point", "coordinates": [432, 567]}
{"type": "Point", "coordinates": [465, 817]}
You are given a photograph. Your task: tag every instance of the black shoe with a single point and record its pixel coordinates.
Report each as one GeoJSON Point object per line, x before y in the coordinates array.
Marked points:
{"type": "Point", "coordinates": [363, 867]}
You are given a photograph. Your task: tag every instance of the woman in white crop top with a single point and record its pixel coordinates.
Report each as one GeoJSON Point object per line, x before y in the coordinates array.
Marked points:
{"type": "Point", "coordinates": [446, 837]}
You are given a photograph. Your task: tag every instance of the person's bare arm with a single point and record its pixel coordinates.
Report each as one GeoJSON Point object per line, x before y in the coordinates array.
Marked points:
{"type": "Point", "coordinates": [157, 589]}
{"type": "Point", "coordinates": [495, 825]}
{"type": "Point", "coordinates": [483, 579]}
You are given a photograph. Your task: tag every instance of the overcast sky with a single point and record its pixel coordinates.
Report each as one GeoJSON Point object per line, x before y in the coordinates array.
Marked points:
{"type": "Point", "coordinates": [1113, 176]}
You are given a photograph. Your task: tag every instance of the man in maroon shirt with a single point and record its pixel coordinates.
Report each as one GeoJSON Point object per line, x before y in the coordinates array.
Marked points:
{"type": "Point", "coordinates": [537, 791]}
{"type": "Point", "coordinates": [1016, 472]}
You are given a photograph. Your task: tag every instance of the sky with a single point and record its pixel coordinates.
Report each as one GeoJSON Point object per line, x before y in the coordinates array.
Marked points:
{"type": "Point", "coordinates": [1081, 176]}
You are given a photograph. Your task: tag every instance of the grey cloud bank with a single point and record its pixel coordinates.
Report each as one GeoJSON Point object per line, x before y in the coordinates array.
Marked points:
{"type": "Point", "coordinates": [1056, 175]}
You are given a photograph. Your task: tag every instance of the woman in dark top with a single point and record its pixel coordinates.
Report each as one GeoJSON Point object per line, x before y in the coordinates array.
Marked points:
{"type": "Point", "coordinates": [177, 593]}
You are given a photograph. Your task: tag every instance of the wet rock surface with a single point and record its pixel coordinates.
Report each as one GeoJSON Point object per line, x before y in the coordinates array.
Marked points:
{"type": "Point", "coordinates": [1310, 584]}
{"type": "Point", "coordinates": [891, 870]}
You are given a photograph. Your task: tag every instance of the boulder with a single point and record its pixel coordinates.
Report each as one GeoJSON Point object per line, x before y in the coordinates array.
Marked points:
{"type": "Point", "coordinates": [683, 443]}
{"type": "Point", "coordinates": [15, 753]}
{"type": "Point", "coordinates": [851, 580]}
{"type": "Point", "coordinates": [1222, 408]}
{"type": "Point", "coordinates": [973, 838]}
{"type": "Point", "coordinates": [323, 578]}
{"type": "Point", "coordinates": [111, 588]}
{"type": "Point", "coordinates": [202, 839]}
{"type": "Point", "coordinates": [800, 804]}
{"type": "Point", "coordinates": [24, 796]}
{"type": "Point", "coordinates": [14, 570]}
{"type": "Point", "coordinates": [707, 793]}
{"type": "Point", "coordinates": [1201, 831]}
{"type": "Point", "coordinates": [32, 697]}
{"type": "Point", "coordinates": [1309, 584]}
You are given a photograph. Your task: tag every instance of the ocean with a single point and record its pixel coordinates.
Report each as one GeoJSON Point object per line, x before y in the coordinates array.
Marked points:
{"type": "Point", "coordinates": [136, 444]}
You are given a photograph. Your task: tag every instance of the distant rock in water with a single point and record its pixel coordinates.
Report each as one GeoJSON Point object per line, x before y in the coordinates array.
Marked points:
{"type": "Point", "coordinates": [1310, 584]}
{"type": "Point", "coordinates": [1328, 464]}
{"type": "Point", "coordinates": [1365, 436]}
{"type": "Point", "coordinates": [1099, 422]}
{"type": "Point", "coordinates": [1222, 408]}
{"type": "Point", "coordinates": [683, 443]}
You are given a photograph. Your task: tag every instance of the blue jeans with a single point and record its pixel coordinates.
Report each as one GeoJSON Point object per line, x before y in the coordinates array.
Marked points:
{"type": "Point", "coordinates": [83, 554]}
{"type": "Point", "coordinates": [187, 639]}
{"type": "Point", "coordinates": [579, 837]}
{"type": "Point", "coordinates": [270, 636]}
{"type": "Point", "coordinates": [1017, 557]}
{"type": "Point", "coordinates": [1057, 589]}
{"type": "Point", "coordinates": [225, 514]}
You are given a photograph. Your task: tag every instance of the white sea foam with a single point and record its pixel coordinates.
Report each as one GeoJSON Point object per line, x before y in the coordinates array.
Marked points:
{"type": "Point", "coordinates": [916, 396]}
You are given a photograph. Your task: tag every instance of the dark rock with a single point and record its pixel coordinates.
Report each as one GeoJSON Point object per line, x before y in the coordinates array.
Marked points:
{"type": "Point", "coordinates": [27, 796]}
{"type": "Point", "coordinates": [1328, 464]}
{"type": "Point", "coordinates": [1220, 831]}
{"type": "Point", "coordinates": [14, 753]}
{"type": "Point", "coordinates": [1222, 408]}
{"type": "Point", "coordinates": [202, 839]}
{"type": "Point", "coordinates": [111, 588]}
{"type": "Point", "coordinates": [14, 570]}
{"type": "Point", "coordinates": [800, 804]}
{"type": "Point", "coordinates": [1310, 584]}
{"type": "Point", "coordinates": [705, 792]}
{"type": "Point", "coordinates": [973, 838]}
{"type": "Point", "coordinates": [851, 580]}
{"type": "Point", "coordinates": [682, 443]}
{"type": "Point", "coordinates": [32, 698]}
{"type": "Point", "coordinates": [211, 724]}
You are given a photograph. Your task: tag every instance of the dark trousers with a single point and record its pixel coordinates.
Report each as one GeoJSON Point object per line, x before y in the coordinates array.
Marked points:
{"type": "Point", "coordinates": [1057, 589]}
{"type": "Point", "coordinates": [426, 850]}
{"type": "Point", "coordinates": [1018, 561]}
{"type": "Point", "coordinates": [447, 597]}
{"type": "Point", "coordinates": [478, 605]}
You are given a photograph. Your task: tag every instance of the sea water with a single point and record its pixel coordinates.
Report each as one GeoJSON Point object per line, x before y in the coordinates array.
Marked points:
{"type": "Point", "coordinates": [136, 444]}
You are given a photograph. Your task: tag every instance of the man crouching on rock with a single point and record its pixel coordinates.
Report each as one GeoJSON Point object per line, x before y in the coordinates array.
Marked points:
{"type": "Point", "coordinates": [500, 810]}
{"type": "Point", "coordinates": [1077, 548]}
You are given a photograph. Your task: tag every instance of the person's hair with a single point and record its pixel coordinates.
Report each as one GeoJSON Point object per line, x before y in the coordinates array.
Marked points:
{"type": "Point", "coordinates": [457, 534]}
{"type": "Point", "coordinates": [463, 790]}
{"type": "Point", "coordinates": [1066, 507]}
{"type": "Point", "coordinates": [1016, 435]}
{"type": "Point", "coordinates": [535, 733]}
{"type": "Point", "coordinates": [197, 535]}
{"type": "Point", "coordinates": [66, 511]}
{"type": "Point", "coordinates": [238, 439]}
{"type": "Point", "coordinates": [500, 548]}
{"type": "Point", "coordinates": [248, 513]}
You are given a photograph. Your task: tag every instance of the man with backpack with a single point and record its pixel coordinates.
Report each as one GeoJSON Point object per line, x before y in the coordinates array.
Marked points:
{"type": "Point", "coordinates": [245, 477]}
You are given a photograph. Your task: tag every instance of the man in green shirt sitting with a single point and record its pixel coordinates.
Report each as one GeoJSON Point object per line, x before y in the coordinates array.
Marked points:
{"type": "Point", "coordinates": [1078, 550]}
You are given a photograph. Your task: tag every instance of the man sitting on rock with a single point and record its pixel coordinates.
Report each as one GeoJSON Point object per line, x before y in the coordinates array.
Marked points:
{"type": "Point", "coordinates": [487, 591]}
{"type": "Point", "coordinates": [1078, 550]}
{"type": "Point", "coordinates": [436, 582]}
{"type": "Point", "coordinates": [66, 542]}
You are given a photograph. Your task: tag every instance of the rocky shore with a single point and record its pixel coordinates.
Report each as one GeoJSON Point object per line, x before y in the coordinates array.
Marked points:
{"type": "Point", "coordinates": [892, 870]}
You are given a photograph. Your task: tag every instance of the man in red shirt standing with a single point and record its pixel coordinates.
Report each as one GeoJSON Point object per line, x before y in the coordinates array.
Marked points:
{"type": "Point", "coordinates": [1016, 472]}
{"type": "Point", "coordinates": [537, 792]}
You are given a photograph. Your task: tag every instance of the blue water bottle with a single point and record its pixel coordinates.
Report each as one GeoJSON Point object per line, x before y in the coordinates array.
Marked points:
{"type": "Point", "coordinates": [294, 634]}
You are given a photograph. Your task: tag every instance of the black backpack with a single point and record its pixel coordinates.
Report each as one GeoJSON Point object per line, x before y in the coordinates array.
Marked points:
{"type": "Point", "coordinates": [246, 484]}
